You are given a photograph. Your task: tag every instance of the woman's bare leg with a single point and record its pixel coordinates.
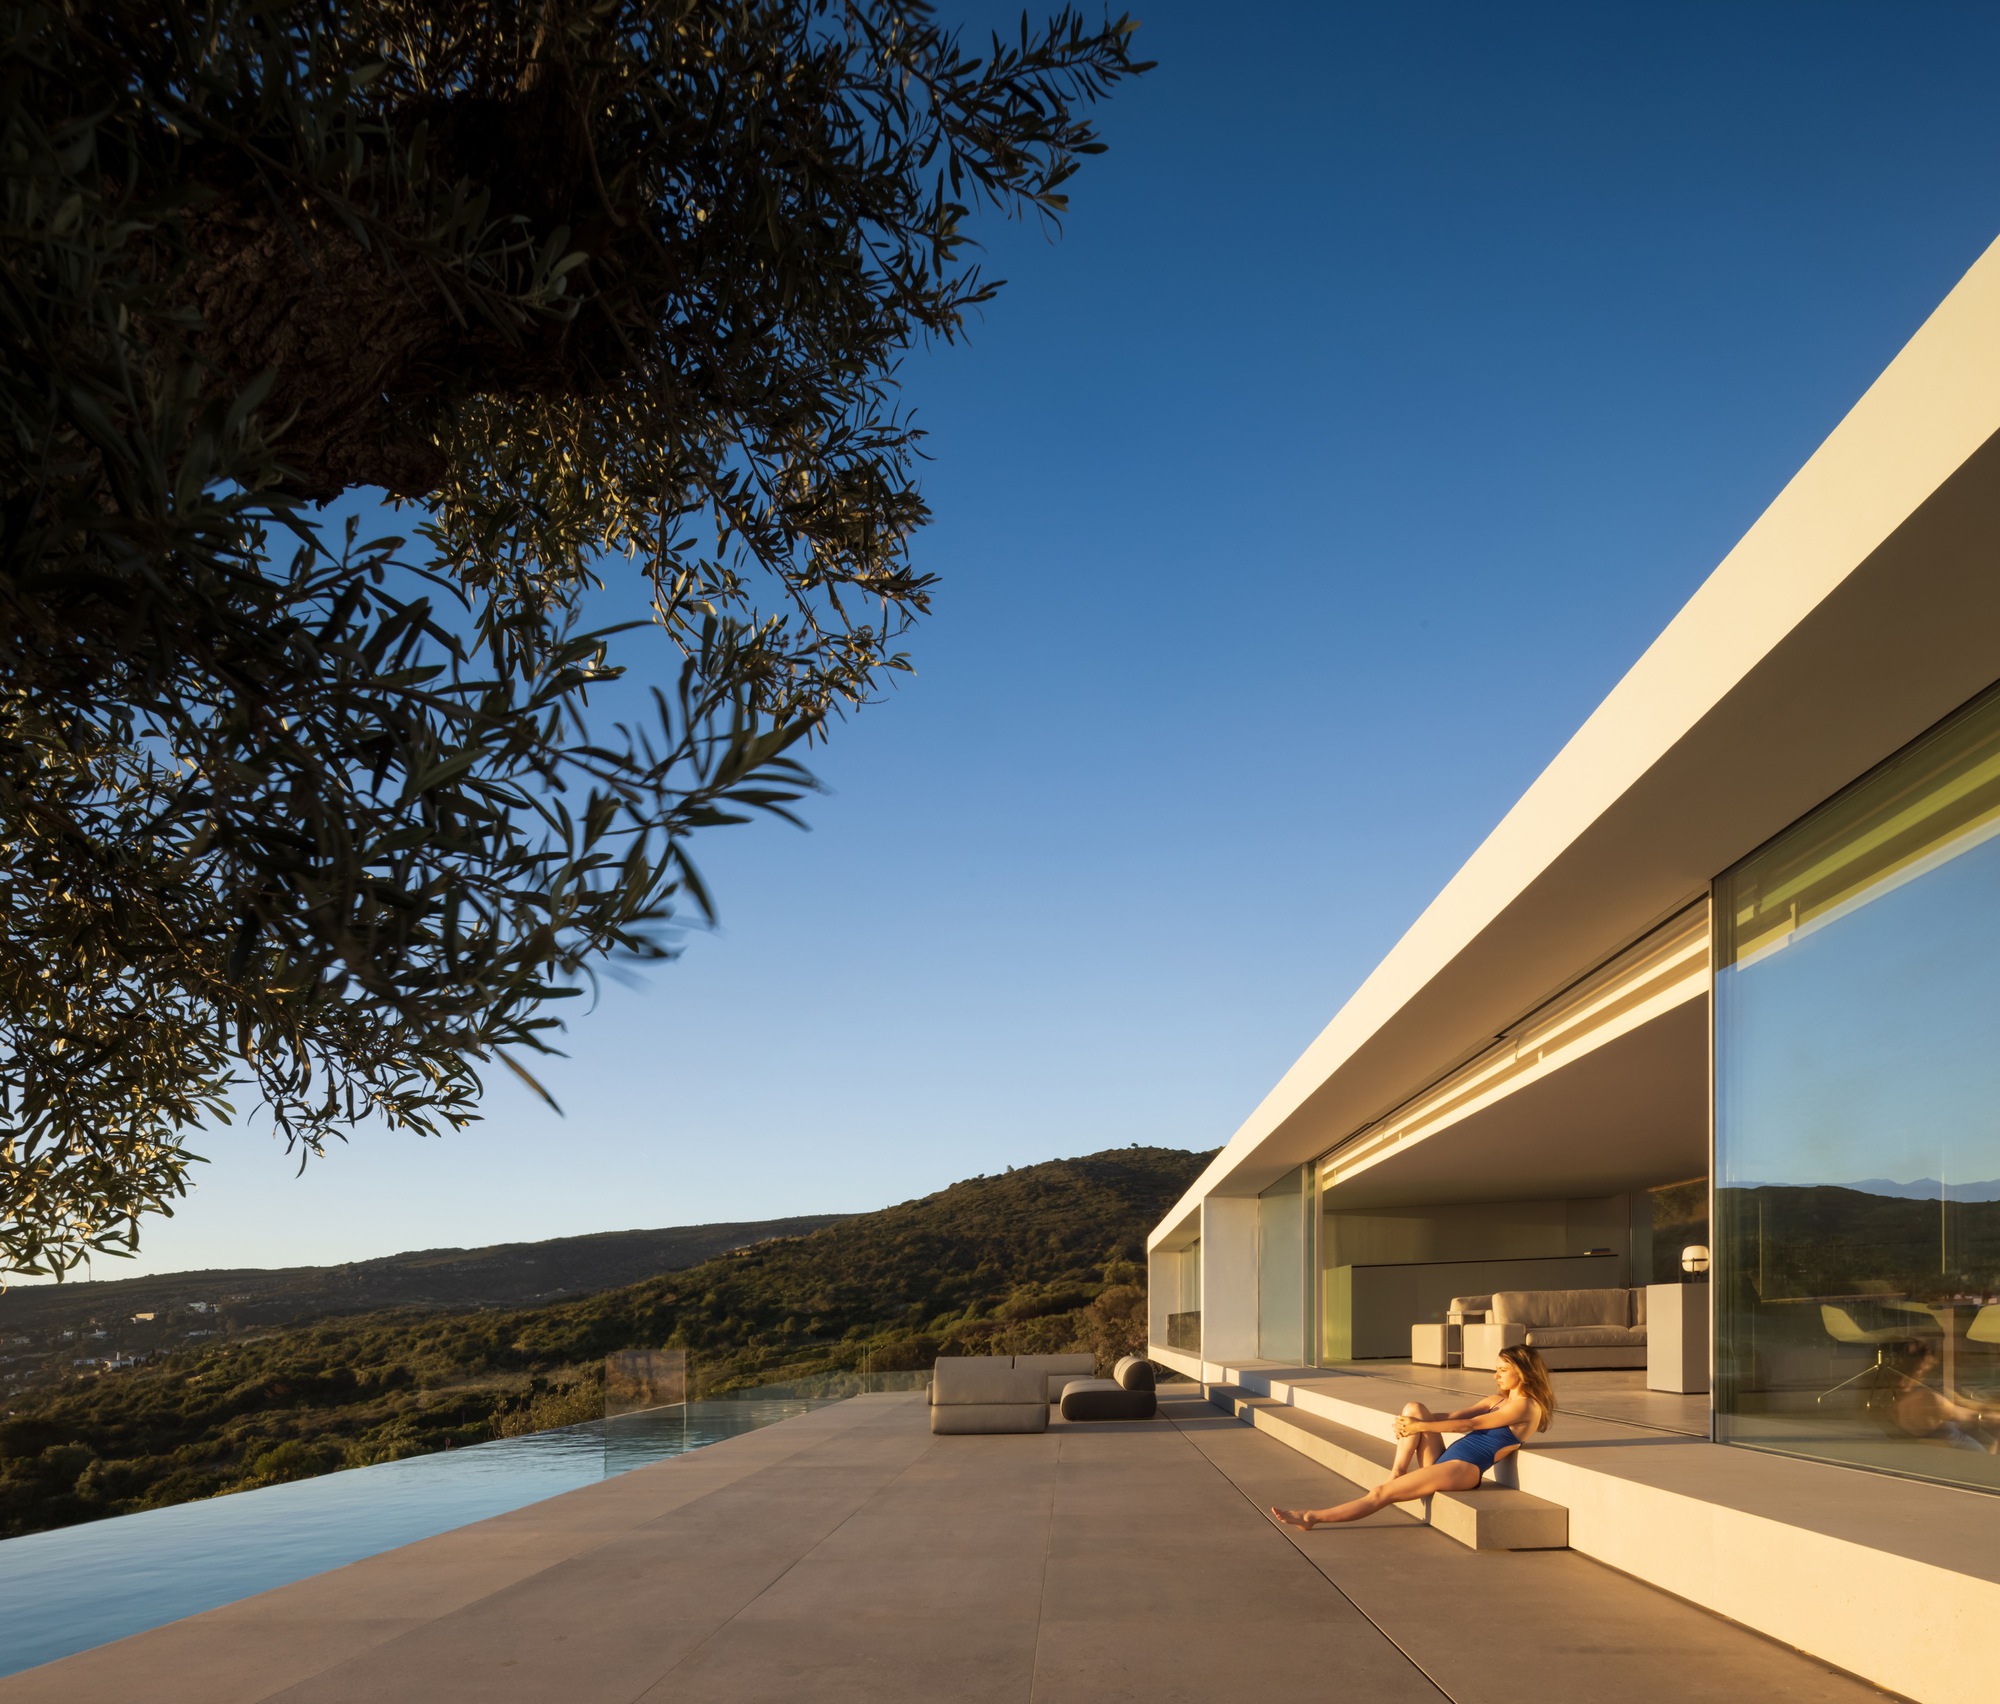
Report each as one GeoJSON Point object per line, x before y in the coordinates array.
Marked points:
{"type": "Point", "coordinates": [1411, 1451]}
{"type": "Point", "coordinates": [1404, 1488]}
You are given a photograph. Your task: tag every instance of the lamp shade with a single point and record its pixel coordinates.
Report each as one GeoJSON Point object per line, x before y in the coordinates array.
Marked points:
{"type": "Point", "coordinates": [1694, 1258]}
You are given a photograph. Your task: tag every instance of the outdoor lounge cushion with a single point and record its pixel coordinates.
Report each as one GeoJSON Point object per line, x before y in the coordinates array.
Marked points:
{"type": "Point", "coordinates": [959, 1380]}
{"type": "Point", "coordinates": [986, 1393]}
{"type": "Point", "coordinates": [1106, 1399]}
{"type": "Point", "coordinates": [968, 1417]}
{"type": "Point", "coordinates": [1135, 1372]}
{"type": "Point", "coordinates": [1562, 1307]}
{"type": "Point", "coordinates": [1058, 1370]}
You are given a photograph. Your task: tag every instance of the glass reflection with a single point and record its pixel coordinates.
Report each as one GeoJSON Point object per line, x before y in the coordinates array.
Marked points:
{"type": "Point", "coordinates": [1858, 1122]}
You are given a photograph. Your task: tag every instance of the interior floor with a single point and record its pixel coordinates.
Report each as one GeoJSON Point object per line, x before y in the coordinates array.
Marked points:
{"type": "Point", "coordinates": [1617, 1393]}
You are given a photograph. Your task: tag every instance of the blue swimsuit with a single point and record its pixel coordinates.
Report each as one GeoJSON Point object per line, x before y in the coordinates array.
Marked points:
{"type": "Point", "coordinates": [1480, 1448]}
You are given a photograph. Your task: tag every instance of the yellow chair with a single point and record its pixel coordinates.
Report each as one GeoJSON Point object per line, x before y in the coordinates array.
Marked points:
{"type": "Point", "coordinates": [1985, 1326]}
{"type": "Point", "coordinates": [1842, 1327]}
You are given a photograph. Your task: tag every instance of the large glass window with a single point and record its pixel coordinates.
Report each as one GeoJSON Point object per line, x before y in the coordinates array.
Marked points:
{"type": "Point", "coordinates": [1184, 1301]}
{"type": "Point", "coordinates": [1857, 1057]}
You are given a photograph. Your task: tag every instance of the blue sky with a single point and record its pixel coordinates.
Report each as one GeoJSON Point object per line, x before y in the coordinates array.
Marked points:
{"type": "Point", "coordinates": [1400, 372]}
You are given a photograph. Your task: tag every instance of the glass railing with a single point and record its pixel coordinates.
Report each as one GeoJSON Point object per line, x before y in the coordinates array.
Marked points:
{"type": "Point", "coordinates": [663, 1402]}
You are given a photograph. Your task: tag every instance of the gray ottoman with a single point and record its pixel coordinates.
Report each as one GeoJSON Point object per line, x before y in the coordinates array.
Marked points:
{"type": "Point", "coordinates": [1129, 1396]}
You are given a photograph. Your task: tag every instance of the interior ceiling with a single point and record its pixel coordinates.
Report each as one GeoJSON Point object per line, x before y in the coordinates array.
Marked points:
{"type": "Point", "coordinates": [1627, 1115]}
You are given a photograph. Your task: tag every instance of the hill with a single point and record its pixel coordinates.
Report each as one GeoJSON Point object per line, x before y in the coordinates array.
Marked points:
{"type": "Point", "coordinates": [100, 1315]}
{"type": "Point", "coordinates": [1044, 1257]}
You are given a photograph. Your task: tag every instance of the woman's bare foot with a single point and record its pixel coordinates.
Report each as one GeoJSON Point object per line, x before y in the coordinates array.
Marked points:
{"type": "Point", "coordinates": [1301, 1518]}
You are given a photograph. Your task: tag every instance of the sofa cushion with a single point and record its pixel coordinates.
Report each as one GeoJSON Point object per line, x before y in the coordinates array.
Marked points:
{"type": "Point", "coordinates": [965, 1417]}
{"type": "Point", "coordinates": [1106, 1399]}
{"type": "Point", "coordinates": [958, 1380]}
{"type": "Point", "coordinates": [1586, 1337]}
{"type": "Point", "coordinates": [1639, 1305]}
{"type": "Point", "coordinates": [1135, 1372]}
{"type": "Point", "coordinates": [1058, 1370]}
{"type": "Point", "coordinates": [1562, 1307]}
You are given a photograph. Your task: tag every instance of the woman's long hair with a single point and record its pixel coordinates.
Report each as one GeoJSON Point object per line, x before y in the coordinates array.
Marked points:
{"type": "Point", "coordinates": [1534, 1380]}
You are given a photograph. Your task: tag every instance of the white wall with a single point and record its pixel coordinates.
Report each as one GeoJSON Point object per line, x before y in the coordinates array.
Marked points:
{"type": "Point", "coordinates": [1229, 1278]}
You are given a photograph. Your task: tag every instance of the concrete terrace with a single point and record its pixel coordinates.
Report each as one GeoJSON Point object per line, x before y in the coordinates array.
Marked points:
{"type": "Point", "coordinates": [1818, 1556]}
{"type": "Point", "coordinates": [849, 1554]}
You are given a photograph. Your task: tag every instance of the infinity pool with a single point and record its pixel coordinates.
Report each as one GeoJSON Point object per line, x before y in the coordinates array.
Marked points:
{"type": "Point", "coordinates": [64, 1591]}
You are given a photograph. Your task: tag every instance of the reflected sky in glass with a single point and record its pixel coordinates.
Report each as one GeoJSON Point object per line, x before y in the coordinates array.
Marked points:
{"type": "Point", "coordinates": [1867, 1049]}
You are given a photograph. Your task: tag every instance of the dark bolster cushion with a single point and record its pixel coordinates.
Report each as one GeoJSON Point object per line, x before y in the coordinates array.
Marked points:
{"type": "Point", "coordinates": [1105, 1399]}
{"type": "Point", "coordinates": [1135, 1372]}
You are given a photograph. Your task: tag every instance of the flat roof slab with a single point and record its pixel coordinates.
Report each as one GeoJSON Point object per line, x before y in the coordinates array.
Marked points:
{"type": "Point", "coordinates": [850, 1554]}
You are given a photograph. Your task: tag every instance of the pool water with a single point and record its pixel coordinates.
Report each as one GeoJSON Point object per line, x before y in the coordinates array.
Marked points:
{"type": "Point", "coordinates": [65, 1591]}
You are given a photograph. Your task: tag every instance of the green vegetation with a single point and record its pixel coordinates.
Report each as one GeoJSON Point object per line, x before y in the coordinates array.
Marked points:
{"type": "Point", "coordinates": [1047, 1257]}
{"type": "Point", "coordinates": [244, 1298]}
{"type": "Point", "coordinates": [1826, 1240]}
{"type": "Point", "coordinates": [1680, 1217]}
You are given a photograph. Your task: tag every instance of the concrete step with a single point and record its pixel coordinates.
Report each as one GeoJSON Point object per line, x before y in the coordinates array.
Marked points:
{"type": "Point", "coordinates": [1492, 1517]}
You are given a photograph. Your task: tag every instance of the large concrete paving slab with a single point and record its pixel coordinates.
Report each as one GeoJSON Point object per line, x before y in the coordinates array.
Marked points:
{"type": "Point", "coordinates": [1479, 1623]}
{"type": "Point", "coordinates": [848, 1554]}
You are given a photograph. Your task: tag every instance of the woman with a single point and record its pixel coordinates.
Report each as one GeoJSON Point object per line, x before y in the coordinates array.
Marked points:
{"type": "Point", "coordinates": [1494, 1428]}
{"type": "Point", "coordinates": [1921, 1412]}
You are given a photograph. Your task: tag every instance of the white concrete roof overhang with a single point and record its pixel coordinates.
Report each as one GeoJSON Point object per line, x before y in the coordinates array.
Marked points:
{"type": "Point", "coordinates": [1861, 608]}
{"type": "Point", "coordinates": [1627, 1115]}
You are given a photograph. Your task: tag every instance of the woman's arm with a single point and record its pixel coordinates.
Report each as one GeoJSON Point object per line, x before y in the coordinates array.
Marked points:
{"type": "Point", "coordinates": [1508, 1412]}
{"type": "Point", "coordinates": [1480, 1417]}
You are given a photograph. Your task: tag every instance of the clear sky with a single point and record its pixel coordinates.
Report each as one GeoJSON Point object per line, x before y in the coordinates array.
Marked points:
{"type": "Point", "coordinates": [1401, 371]}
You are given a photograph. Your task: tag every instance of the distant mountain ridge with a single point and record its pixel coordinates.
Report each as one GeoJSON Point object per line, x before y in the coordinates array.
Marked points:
{"type": "Point", "coordinates": [1917, 1189]}
{"type": "Point", "coordinates": [502, 1275]}
{"type": "Point", "coordinates": [1929, 1189]}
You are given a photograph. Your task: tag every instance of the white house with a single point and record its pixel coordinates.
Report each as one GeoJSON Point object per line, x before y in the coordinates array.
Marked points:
{"type": "Point", "coordinates": [1727, 977]}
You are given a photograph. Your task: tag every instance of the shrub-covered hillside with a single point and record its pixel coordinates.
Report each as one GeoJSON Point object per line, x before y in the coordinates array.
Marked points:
{"type": "Point", "coordinates": [1045, 1257]}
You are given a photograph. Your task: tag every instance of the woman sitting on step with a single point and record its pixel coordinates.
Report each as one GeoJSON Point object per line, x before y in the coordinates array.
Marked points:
{"type": "Point", "coordinates": [1494, 1427]}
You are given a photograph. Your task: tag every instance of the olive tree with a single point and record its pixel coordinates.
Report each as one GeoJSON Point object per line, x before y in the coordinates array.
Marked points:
{"type": "Point", "coordinates": [611, 295]}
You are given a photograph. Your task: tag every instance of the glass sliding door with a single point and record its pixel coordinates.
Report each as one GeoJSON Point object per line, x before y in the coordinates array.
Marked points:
{"type": "Point", "coordinates": [1281, 1269]}
{"type": "Point", "coordinates": [1857, 1059]}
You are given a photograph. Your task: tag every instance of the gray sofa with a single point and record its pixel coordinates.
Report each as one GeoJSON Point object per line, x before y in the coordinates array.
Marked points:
{"type": "Point", "coordinates": [1569, 1329]}
{"type": "Point", "coordinates": [1000, 1393]}
{"type": "Point", "coordinates": [1127, 1395]}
